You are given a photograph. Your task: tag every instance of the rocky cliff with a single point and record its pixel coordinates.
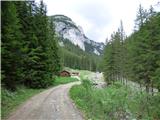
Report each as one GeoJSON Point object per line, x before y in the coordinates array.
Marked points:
{"type": "Point", "coordinates": [68, 30]}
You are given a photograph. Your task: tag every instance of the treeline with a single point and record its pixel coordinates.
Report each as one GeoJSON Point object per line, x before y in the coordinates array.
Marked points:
{"type": "Point", "coordinates": [30, 54]}
{"type": "Point", "coordinates": [74, 57]}
{"type": "Point", "coordinates": [137, 57]}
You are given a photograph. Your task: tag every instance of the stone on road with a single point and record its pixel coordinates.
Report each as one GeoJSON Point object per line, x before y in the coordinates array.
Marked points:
{"type": "Point", "coordinates": [52, 104]}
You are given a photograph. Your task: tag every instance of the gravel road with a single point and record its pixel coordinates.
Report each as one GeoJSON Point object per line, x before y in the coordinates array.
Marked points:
{"type": "Point", "coordinates": [52, 104]}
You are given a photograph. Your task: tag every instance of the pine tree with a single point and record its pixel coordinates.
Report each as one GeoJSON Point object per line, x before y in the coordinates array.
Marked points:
{"type": "Point", "coordinates": [109, 62]}
{"type": "Point", "coordinates": [114, 57]}
{"type": "Point", "coordinates": [53, 51]}
{"type": "Point", "coordinates": [153, 28]}
{"type": "Point", "coordinates": [27, 19]}
{"type": "Point", "coordinates": [141, 17]}
{"type": "Point", "coordinates": [38, 53]}
{"type": "Point", "coordinates": [11, 45]}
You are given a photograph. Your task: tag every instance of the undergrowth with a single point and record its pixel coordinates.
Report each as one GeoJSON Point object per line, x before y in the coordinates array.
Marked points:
{"type": "Point", "coordinates": [115, 102]}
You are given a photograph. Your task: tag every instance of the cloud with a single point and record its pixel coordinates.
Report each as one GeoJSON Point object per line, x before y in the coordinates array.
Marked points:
{"type": "Point", "coordinates": [99, 18]}
{"type": "Point", "coordinates": [97, 15]}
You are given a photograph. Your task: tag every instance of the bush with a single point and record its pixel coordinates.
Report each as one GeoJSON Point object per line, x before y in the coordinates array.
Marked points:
{"type": "Point", "coordinates": [115, 102]}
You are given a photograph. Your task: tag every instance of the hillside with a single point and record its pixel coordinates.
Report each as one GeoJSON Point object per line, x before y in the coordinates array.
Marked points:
{"type": "Point", "coordinates": [66, 29]}
{"type": "Point", "coordinates": [77, 51]}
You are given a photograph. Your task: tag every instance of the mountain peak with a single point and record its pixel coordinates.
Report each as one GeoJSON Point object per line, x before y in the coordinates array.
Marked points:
{"type": "Point", "coordinates": [67, 29]}
{"type": "Point", "coordinates": [62, 17]}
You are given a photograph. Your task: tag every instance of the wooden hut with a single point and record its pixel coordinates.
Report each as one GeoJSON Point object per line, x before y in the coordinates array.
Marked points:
{"type": "Point", "coordinates": [65, 73]}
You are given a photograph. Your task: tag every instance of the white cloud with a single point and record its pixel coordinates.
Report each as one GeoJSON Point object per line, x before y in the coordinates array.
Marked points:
{"type": "Point", "coordinates": [99, 18]}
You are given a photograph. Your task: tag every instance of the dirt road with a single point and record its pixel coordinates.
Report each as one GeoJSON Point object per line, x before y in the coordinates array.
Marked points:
{"type": "Point", "coordinates": [52, 104]}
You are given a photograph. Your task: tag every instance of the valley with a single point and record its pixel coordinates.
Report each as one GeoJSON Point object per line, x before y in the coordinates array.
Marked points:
{"type": "Point", "coordinates": [55, 67]}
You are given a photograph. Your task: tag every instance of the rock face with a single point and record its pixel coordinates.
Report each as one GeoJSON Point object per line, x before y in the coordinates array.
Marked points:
{"type": "Point", "coordinates": [68, 30]}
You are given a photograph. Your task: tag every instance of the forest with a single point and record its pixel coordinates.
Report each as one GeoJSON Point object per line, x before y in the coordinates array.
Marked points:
{"type": "Point", "coordinates": [30, 53]}
{"type": "Point", "coordinates": [74, 57]}
{"type": "Point", "coordinates": [135, 57]}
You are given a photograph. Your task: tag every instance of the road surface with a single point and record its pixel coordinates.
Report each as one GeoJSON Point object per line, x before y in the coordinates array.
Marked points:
{"type": "Point", "coordinates": [52, 104]}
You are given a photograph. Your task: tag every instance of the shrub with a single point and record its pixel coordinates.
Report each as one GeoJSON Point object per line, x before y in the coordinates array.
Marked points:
{"type": "Point", "coordinates": [115, 102]}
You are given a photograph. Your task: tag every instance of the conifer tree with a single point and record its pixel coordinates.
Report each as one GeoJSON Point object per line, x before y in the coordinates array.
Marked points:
{"type": "Point", "coordinates": [53, 51]}
{"type": "Point", "coordinates": [11, 45]}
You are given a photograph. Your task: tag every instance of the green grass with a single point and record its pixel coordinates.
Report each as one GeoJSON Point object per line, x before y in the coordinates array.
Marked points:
{"type": "Point", "coordinates": [115, 102]}
{"type": "Point", "coordinates": [84, 73]}
{"type": "Point", "coordinates": [63, 80]}
{"type": "Point", "coordinates": [11, 100]}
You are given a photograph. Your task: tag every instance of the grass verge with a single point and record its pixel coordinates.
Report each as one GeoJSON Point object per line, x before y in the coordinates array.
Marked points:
{"type": "Point", "coordinates": [63, 80]}
{"type": "Point", "coordinates": [115, 102]}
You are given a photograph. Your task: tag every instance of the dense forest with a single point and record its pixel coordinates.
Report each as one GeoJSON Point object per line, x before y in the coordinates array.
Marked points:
{"type": "Point", "coordinates": [136, 57]}
{"type": "Point", "coordinates": [74, 57]}
{"type": "Point", "coordinates": [30, 53]}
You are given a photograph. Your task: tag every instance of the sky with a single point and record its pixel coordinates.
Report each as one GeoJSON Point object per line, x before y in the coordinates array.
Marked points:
{"type": "Point", "coordinates": [100, 18]}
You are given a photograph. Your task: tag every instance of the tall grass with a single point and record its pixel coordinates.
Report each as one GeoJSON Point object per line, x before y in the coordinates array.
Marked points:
{"type": "Point", "coordinates": [115, 102]}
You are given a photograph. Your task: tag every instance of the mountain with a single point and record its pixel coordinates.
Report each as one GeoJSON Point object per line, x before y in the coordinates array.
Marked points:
{"type": "Point", "coordinates": [68, 30]}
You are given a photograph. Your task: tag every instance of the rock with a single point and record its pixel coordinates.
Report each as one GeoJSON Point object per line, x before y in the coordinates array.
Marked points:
{"type": "Point", "coordinates": [67, 29]}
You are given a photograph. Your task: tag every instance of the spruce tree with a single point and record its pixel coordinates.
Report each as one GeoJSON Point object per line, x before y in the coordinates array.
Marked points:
{"type": "Point", "coordinates": [53, 51]}
{"type": "Point", "coordinates": [11, 45]}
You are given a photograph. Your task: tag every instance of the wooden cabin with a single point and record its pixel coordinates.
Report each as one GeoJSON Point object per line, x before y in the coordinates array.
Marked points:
{"type": "Point", "coordinates": [65, 73]}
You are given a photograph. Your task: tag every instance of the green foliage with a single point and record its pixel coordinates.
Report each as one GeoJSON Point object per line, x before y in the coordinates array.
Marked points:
{"type": "Point", "coordinates": [30, 54]}
{"type": "Point", "coordinates": [64, 80]}
{"type": "Point", "coordinates": [74, 57]}
{"type": "Point", "coordinates": [84, 73]}
{"type": "Point", "coordinates": [114, 102]}
{"type": "Point", "coordinates": [145, 52]}
{"type": "Point", "coordinates": [54, 62]}
{"type": "Point", "coordinates": [11, 45]}
{"type": "Point", "coordinates": [136, 57]}
{"type": "Point", "coordinates": [114, 58]}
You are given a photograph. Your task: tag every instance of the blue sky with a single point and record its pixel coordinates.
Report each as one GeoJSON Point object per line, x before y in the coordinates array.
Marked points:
{"type": "Point", "coordinates": [99, 18]}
